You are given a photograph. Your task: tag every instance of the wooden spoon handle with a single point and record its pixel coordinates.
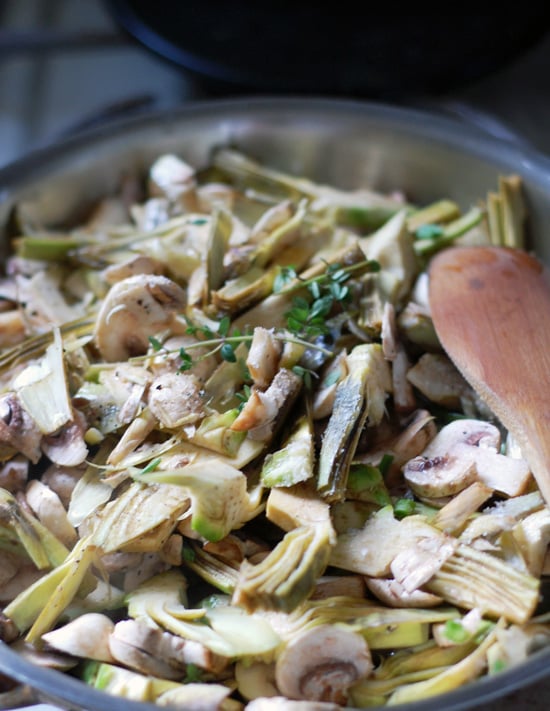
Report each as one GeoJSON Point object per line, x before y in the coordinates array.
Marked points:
{"type": "Point", "coordinates": [491, 310]}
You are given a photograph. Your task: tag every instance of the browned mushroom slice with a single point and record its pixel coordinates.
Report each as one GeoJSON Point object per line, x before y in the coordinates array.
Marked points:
{"type": "Point", "coordinates": [437, 378]}
{"type": "Point", "coordinates": [263, 357]}
{"type": "Point", "coordinates": [175, 399]}
{"type": "Point", "coordinates": [265, 411]}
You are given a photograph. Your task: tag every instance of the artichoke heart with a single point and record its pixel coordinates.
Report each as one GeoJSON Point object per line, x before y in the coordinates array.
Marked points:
{"type": "Point", "coordinates": [288, 574]}
{"type": "Point", "coordinates": [140, 519]}
{"type": "Point", "coordinates": [220, 501]}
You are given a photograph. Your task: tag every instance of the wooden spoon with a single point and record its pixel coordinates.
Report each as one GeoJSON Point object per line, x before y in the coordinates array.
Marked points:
{"type": "Point", "coordinates": [491, 311]}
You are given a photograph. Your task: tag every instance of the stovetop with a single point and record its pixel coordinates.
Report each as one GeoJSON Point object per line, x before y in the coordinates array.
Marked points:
{"type": "Point", "coordinates": [65, 65]}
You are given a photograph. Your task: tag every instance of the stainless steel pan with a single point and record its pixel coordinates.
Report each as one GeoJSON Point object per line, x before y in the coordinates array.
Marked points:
{"type": "Point", "coordinates": [341, 142]}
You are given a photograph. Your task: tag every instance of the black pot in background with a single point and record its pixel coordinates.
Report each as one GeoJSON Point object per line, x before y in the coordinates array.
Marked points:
{"type": "Point", "coordinates": [344, 49]}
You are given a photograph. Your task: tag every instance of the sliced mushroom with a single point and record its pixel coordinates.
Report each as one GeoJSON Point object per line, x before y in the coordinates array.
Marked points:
{"type": "Point", "coordinates": [42, 657]}
{"type": "Point", "coordinates": [322, 663]}
{"type": "Point", "coordinates": [264, 411]}
{"type": "Point", "coordinates": [62, 480]}
{"type": "Point", "coordinates": [48, 508]}
{"type": "Point", "coordinates": [263, 357]}
{"type": "Point", "coordinates": [152, 651]}
{"type": "Point", "coordinates": [463, 452]}
{"type": "Point", "coordinates": [393, 594]}
{"type": "Point", "coordinates": [86, 636]}
{"type": "Point", "coordinates": [67, 447]}
{"type": "Point", "coordinates": [14, 473]}
{"type": "Point", "coordinates": [134, 309]}
{"type": "Point", "coordinates": [414, 566]}
{"type": "Point", "coordinates": [18, 431]}
{"type": "Point", "coordinates": [401, 444]}
{"type": "Point", "coordinates": [175, 399]}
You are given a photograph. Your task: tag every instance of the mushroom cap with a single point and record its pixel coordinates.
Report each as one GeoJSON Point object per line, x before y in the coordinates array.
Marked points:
{"type": "Point", "coordinates": [322, 663]}
{"type": "Point", "coordinates": [134, 309]}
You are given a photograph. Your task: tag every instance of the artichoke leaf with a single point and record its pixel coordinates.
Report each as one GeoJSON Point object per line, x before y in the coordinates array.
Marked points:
{"type": "Point", "coordinates": [360, 397]}
{"type": "Point", "coordinates": [232, 633]}
{"type": "Point", "coordinates": [20, 525]}
{"type": "Point", "coordinates": [392, 247]}
{"type": "Point", "coordinates": [42, 389]}
{"type": "Point", "coordinates": [42, 603]}
{"type": "Point", "coordinates": [292, 463]}
{"type": "Point", "coordinates": [454, 677]}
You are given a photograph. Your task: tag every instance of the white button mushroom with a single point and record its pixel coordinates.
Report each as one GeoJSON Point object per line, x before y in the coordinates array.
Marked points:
{"type": "Point", "coordinates": [322, 663]}
{"type": "Point", "coordinates": [86, 636]}
{"type": "Point", "coordinates": [134, 309]}
{"type": "Point", "coordinates": [463, 452]}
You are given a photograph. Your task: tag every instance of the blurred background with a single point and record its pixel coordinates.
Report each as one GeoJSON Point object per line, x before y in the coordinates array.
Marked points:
{"type": "Point", "coordinates": [69, 64]}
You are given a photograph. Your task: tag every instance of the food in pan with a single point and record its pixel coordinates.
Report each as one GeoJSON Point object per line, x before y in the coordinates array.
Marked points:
{"type": "Point", "coordinates": [237, 466]}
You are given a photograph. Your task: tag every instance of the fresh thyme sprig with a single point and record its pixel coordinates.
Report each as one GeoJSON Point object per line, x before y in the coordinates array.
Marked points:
{"type": "Point", "coordinates": [308, 317]}
{"type": "Point", "coordinates": [304, 321]}
{"type": "Point", "coordinates": [217, 342]}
